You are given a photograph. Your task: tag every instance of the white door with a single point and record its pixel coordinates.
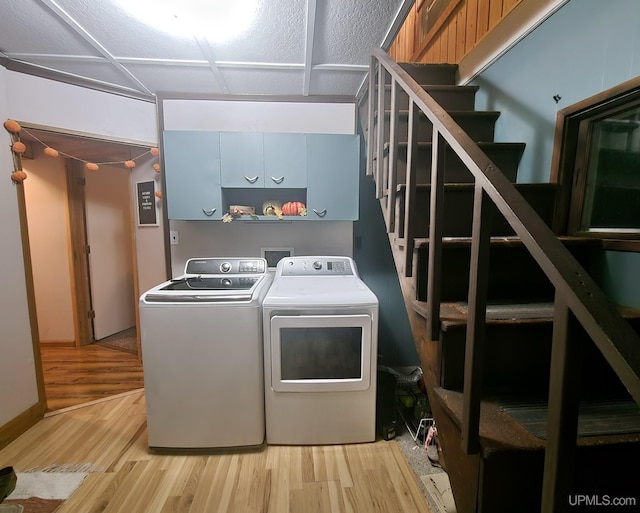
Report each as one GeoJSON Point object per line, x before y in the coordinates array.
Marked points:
{"type": "Point", "coordinates": [108, 211]}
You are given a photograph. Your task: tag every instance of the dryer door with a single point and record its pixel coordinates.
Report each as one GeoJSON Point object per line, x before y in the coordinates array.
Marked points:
{"type": "Point", "coordinates": [320, 353]}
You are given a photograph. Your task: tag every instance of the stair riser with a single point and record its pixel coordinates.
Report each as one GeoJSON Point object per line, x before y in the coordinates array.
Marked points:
{"type": "Point", "coordinates": [515, 477]}
{"type": "Point", "coordinates": [454, 98]}
{"type": "Point", "coordinates": [479, 126]}
{"type": "Point", "coordinates": [514, 276]}
{"type": "Point", "coordinates": [505, 156]}
{"type": "Point", "coordinates": [434, 74]}
{"type": "Point", "coordinates": [517, 359]}
{"type": "Point", "coordinates": [458, 210]}
{"type": "Point", "coordinates": [517, 356]}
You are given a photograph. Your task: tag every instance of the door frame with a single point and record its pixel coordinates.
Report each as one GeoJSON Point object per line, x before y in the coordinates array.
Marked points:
{"type": "Point", "coordinates": [79, 253]}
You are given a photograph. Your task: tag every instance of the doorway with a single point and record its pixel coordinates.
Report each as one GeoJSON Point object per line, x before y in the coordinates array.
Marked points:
{"type": "Point", "coordinates": [82, 234]}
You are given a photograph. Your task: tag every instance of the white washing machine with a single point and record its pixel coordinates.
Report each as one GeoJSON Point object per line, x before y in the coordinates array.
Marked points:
{"type": "Point", "coordinates": [320, 355]}
{"type": "Point", "coordinates": [201, 336]}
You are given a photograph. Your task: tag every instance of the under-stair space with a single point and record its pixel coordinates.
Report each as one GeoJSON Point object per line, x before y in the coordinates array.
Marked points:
{"type": "Point", "coordinates": [507, 350]}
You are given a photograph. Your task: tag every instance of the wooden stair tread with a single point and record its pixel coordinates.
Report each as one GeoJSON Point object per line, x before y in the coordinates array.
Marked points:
{"type": "Point", "coordinates": [493, 114]}
{"type": "Point", "coordinates": [455, 314]}
{"type": "Point", "coordinates": [463, 186]}
{"type": "Point", "coordinates": [499, 431]}
{"type": "Point", "coordinates": [445, 87]}
{"type": "Point", "coordinates": [482, 144]}
{"type": "Point", "coordinates": [514, 241]}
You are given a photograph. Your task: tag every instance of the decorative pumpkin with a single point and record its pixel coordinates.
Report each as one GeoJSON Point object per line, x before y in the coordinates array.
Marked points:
{"type": "Point", "coordinates": [18, 147]}
{"type": "Point", "coordinates": [18, 176]}
{"type": "Point", "coordinates": [12, 126]}
{"type": "Point", "coordinates": [272, 208]}
{"type": "Point", "coordinates": [50, 152]}
{"type": "Point", "coordinates": [91, 166]}
{"type": "Point", "coordinates": [294, 208]}
{"type": "Point", "coordinates": [154, 152]}
{"type": "Point", "coordinates": [158, 194]}
{"type": "Point", "coordinates": [156, 167]}
{"type": "Point", "coordinates": [130, 164]}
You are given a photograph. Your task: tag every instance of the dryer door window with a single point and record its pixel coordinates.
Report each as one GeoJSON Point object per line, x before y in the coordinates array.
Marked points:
{"type": "Point", "coordinates": [320, 353]}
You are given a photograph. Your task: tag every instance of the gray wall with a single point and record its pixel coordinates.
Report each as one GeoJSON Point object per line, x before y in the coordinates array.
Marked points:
{"type": "Point", "coordinates": [586, 47]}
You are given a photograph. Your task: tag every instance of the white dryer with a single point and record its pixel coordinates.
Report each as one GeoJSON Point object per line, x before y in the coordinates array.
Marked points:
{"type": "Point", "coordinates": [321, 337]}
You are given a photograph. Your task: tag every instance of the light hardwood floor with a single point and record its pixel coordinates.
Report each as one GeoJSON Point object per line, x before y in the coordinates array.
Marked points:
{"type": "Point", "coordinates": [75, 376]}
{"type": "Point", "coordinates": [110, 437]}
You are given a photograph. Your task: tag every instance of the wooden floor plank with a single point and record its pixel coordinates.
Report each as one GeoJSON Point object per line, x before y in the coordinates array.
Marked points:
{"type": "Point", "coordinates": [109, 436]}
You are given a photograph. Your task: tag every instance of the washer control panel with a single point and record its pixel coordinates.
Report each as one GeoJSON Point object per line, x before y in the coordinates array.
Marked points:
{"type": "Point", "coordinates": [226, 266]}
{"type": "Point", "coordinates": [316, 266]}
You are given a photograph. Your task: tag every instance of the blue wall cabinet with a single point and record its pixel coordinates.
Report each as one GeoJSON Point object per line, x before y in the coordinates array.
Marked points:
{"type": "Point", "coordinates": [242, 159]}
{"type": "Point", "coordinates": [192, 175]}
{"type": "Point", "coordinates": [285, 160]}
{"type": "Point", "coordinates": [207, 172]}
{"type": "Point", "coordinates": [333, 166]}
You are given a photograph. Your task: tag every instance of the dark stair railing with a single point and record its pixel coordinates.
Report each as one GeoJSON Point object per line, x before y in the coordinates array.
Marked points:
{"type": "Point", "coordinates": [578, 300]}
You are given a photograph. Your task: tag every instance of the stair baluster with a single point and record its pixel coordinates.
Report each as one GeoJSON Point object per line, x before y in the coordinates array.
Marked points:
{"type": "Point", "coordinates": [563, 409]}
{"type": "Point", "coordinates": [477, 312]}
{"type": "Point", "coordinates": [392, 166]}
{"type": "Point", "coordinates": [436, 229]}
{"type": "Point", "coordinates": [381, 91]}
{"type": "Point", "coordinates": [412, 170]}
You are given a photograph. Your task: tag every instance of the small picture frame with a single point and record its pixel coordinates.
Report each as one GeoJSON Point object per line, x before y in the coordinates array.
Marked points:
{"type": "Point", "coordinates": [274, 255]}
{"type": "Point", "coordinates": [146, 200]}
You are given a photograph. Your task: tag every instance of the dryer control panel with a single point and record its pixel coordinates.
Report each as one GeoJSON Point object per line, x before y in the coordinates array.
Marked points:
{"type": "Point", "coordinates": [316, 266]}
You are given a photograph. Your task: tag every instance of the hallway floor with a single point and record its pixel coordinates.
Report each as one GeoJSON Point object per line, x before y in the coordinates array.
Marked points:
{"type": "Point", "coordinates": [75, 376]}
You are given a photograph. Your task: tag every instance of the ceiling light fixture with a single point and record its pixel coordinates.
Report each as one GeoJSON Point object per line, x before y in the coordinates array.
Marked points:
{"type": "Point", "coordinates": [215, 20]}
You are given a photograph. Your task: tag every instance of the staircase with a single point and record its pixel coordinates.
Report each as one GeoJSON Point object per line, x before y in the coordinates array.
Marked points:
{"type": "Point", "coordinates": [532, 375]}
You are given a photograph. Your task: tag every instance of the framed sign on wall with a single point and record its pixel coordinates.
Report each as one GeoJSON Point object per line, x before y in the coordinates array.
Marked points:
{"type": "Point", "coordinates": [146, 196]}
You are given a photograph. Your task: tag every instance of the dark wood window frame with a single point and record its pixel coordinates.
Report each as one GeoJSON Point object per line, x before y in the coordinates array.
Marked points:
{"type": "Point", "coordinates": [570, 147]}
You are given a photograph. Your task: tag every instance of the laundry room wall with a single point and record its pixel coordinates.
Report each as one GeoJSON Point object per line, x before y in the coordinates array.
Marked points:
{"type": "Point", "coordinates": [246, 238]}
{"type": "Point", "coordinates": [43, 102]}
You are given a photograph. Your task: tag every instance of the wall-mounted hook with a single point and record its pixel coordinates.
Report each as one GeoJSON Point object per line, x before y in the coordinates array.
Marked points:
{"type": "Point", "coordinates": [557, 97]}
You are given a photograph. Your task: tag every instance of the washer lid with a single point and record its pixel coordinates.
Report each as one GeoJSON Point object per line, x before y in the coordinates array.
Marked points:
{"type": "Point", "coordinates": [209, 289]}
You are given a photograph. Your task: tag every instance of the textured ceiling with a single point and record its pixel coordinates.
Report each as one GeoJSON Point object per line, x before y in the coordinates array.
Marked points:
{"type": "Point", "coordinates": [294, 47]}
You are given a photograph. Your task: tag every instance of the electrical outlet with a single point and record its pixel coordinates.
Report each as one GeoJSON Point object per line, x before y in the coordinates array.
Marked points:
{"type": "Point", "coordinates": [174, 237]}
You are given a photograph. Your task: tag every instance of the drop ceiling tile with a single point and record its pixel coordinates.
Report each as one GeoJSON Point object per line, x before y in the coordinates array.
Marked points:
{"type": "Point", "coordinates": [278, 37]}
{"type": "Point", "coordinates": [177, 79]}
{"type": "Point", "coordinates": [335, 83]}
{"type": "Point", "coordinates": [30, 27]}
{"type": "Point", "coordinates": [347, 31]}
{"type": "Point", "coordinates": [271, 82]}
{"type": "Point", "coordinates": [122, 35]}
{"type": "Point", "coordinates": [99, 71]}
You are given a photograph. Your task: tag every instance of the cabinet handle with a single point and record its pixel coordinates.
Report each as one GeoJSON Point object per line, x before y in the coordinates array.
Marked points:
{"type": "Point", "coordinates": [209, 213]}
{"type": "Point", "coordinates": [253, 179]}
{"type": "Point", "coordinates": [320, 213]}
{"type": "Point", "coordinates": [277, 180]}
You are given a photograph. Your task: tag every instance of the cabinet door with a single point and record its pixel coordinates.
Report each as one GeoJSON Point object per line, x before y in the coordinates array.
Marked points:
{"type": "Point", "coordinates": [285, 161]}
{"type": "Point", "coordinates": [242, 159]}
{"type": "Point", "coordinates": [192, 175]}
{"type": "Point", "coordinates": [333, 170]}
